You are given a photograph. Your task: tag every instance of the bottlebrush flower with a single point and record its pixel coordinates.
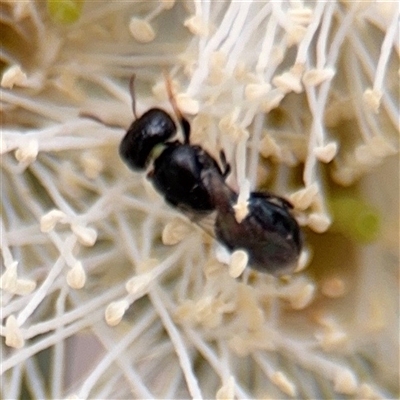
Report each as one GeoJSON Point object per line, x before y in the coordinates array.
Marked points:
{"type": "Point", "coordinates": [109, 293]}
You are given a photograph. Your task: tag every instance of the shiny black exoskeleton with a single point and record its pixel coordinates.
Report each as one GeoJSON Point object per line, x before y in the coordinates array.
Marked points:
{"type": "Point", "coordinates": [177, 167]}
{"type": "Point", "coordinates": [191, 180]}
{"type": "Point", "coordinates": [152, 128]}
{"type": "Point", "coordinates": [177, 174]}
{"type": "Point", "coordinates": [269, 233]}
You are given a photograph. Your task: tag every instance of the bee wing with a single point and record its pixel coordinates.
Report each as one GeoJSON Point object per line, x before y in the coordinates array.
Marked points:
{"type": "Point", "coordinates": [272, 198]}
{"type": "Point", "coordinates": [204, 220]}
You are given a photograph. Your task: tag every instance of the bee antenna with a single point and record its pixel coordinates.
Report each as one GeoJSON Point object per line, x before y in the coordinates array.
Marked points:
{"type": "Point", "coordinates": [182, 120]}
{"type": "Point", "coordinates": [132, 92]}
{"type": "Point", "coordinates": [88, 115]}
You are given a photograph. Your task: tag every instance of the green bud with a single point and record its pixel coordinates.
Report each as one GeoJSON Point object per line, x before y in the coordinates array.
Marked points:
{"type": "Point", "coordinates": [65, 11]}
{"type": "Point", "coordinates": [354, 218]}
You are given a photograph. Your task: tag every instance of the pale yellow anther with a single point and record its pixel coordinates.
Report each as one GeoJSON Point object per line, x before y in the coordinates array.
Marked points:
{"type": "Point", "coordinates": [241, 209]}
{"type": "Point", "coordinates": [319, 222]}
{"type": "Point", "coordinates": [303, 261]}
{"type": "Point", "coordinates": [13, 76]}
{"type": "Point", "coordinates": [314, 77]}
{"type": "Point", "coordinates": [238, 263]}
{"type": "Point", "coordinates": [326, 153]}
{"type": "Point", "coordinates": [141, 30]}
{"type": "Point", "coordinates": [303, 198]}
{"type": "Point", "coordinates": [28, 151]}
{"type": "Point", "coordinates": [86, 236]}
{"type": "Point", "coordinates": [115, 312]}
{"type": "Point", "coordinates": [214, 269]}
{"type": "Point", "coordinates": [13, 332]}
{"type": "Point", "coordinates": [76, 276]}
{"type": "Point", "coordinates": [8, 280]}
{"type": "Point", "coordinates": [24, 287]}
{"type": "Point", "coordinates": [272, 99]}
{"type": "Point", "coordinates": [255, 91]}
{"type": "Point", "coordinates": [302, 295]}
{"type": "Point", "coordinates": [139, 283]}
{"type": "Point", "coordinates": [372, 99]}
{"type": "Point", "coordinates": [283, 383]}
{"type": "Point", "coordinates": [344, 175]}
{"type": "Point", "coordinates": [345, 381]}
{"type": "Point", "coordinates": [196, 25]}
{"type": "Point", "coordinates": [269, 147]}
{"type": "Point", "coordinates": [208, 311]}
{"type": "Point", "coordinates": [288, 82]}
{"type": "Point", "coordinates": [49, 220]}
{"type": "Point", "coordinates": [332, 337]}
{"type": "Point", "coordinates": [175, 231]}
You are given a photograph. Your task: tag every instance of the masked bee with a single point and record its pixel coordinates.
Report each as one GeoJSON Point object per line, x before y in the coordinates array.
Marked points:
{"type": "Point", "coordinates": [192, 181]}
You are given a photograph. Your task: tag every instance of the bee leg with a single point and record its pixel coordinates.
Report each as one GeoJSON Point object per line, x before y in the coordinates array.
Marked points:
{"type": "Point", "coordinates": [186, 129]}
{"type": "Point", "coordinates": [93, 117]}
{"type": "Point", "coordinates": [182, 120]}
{"type": "Point", "coordinates": [226, 167]}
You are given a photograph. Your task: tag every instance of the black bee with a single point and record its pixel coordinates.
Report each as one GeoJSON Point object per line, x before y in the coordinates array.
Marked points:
{"type": "Point", "coordinates": [191, 180]}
